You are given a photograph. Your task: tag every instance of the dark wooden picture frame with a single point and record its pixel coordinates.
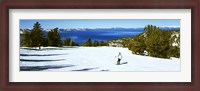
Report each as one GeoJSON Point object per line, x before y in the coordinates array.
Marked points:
{"type": "Point", "coordinates": [99, 4]}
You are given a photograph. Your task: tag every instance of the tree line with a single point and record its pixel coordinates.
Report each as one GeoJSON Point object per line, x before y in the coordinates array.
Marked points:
{"type": "Point", "coordinates": [95, 44]}
{"type": "Point", "coordinates": [36, 38]}
{"type": "Point", "coordinates": [88, 43]}
{"type": "Point", "coordinates": [157, 42]}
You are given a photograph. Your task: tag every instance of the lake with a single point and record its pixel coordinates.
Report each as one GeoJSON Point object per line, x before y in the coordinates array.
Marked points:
{"type": "Point", "coordinates": [81, 36]}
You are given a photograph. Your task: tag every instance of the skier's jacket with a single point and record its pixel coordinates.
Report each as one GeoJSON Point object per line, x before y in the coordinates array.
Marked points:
{"type": "Point", "coordinates": [120, 56]}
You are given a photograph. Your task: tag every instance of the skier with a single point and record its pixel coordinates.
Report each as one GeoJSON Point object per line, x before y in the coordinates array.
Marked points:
{"type": "Point", "coordinates": [119, 58]}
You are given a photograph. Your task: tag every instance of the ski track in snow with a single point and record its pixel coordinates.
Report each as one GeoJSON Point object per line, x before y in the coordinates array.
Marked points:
{"type": "Point", "coordinates": [92, 59]}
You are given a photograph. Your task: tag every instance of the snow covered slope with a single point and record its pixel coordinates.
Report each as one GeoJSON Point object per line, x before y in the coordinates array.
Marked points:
{"type": "Point", "coordinates": [91, 59]}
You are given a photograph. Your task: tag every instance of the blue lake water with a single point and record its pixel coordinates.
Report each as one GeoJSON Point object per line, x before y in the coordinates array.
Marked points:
{"type": "Point", "coordinates": [99, 34]}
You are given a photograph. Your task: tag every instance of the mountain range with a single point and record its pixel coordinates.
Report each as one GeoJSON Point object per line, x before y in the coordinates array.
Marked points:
{"type": "Point", "coordinates": [106, 29]}
{"type": "Point", "coordinates": [117, 29]}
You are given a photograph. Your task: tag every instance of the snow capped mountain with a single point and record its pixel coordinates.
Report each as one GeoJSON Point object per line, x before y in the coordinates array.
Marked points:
{"type": "Point", "coordinates": [71, 29]}
{"type": "Point", "coordinates": [107, 29]}
{"type": "Point", "coordinates": [117, 28]}
{"type": "Point", "coordinates": [170, 27]}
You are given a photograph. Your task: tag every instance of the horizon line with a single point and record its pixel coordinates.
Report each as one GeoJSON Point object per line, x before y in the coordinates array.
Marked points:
{"type": "Point", "coordinates": [107, 27]}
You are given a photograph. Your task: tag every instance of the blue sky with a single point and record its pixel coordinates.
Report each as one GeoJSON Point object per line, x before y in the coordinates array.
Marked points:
{"type": "Point", "coordinates": [50, 24]}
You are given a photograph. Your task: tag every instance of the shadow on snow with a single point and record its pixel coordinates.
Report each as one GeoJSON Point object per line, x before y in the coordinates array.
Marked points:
{"type": "Point", "coordinates": [58, 48]}
{"type": "Point", "coordinates": [40, 68]}
{"type": "Point", "coordinates": [85, 69]}
{"type": "Point", "coordinates": [40, 60]}
{"type": "Point", "coordinates": [40, 55]}
{"type": "Point", "coordinates": [105, 70]}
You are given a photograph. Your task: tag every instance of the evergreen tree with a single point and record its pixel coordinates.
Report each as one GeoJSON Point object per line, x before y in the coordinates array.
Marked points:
{"type": "Point", "coordinates": [57, 39]}
{"type": "Point", "coordinates": [149, 29]}
{"type": "Point", "coordinates": [45, 42]}
{"type": "Point", "coordinates": [158, 44]}
{"type": "Point", "coordinates": [54, 38]}
{"type": "Point", "coordinates": [74, 43]}
{"type": "Point", "coordinates": [101, 43]}
{"type": "Point", "coordinates": [174, 51]}
{"type": "Point", "coordinates": [137, 45]}
{"type": "Point", "coordinates": [50, 38]}
{"type": "Point", "coordinates": [26, 41]}
{"type": "Point", "coordinates": [88, 42]}
{"type": "Point", "coordinates": [70, 42]}
{"type": "Point", "coordinates": [96, 43]}
{"type": "Point", "coordinates": [37, 35]}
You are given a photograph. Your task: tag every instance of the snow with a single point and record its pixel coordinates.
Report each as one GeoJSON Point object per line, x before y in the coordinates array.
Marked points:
{"type": "Point", "coordinates": [92, 59]}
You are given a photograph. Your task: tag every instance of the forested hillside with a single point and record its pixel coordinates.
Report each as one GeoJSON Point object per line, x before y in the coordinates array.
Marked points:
{"type": "Point", "coordinates": [157, 42]}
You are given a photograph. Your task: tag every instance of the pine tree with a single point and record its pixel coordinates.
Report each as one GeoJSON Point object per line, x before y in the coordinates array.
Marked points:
{"type": "Point", "coordinates": [54, 38]}
{"type": "Point", "coordinates": [37, 35]}
{"type": "Point", "coordinates": [57, 39]}
{"type": "Point", "coordinates": [101, 43]}
{"type": "Point", "coordinates": [149, 29]}
{"type": "Point", "coordinates": [96, 43]}
{"type": "Point", "coordinates": [50, 38]}
{"type": "Point", "coordinates": [137, 45]}
{"type": "Point", "coordinates": [26, 41]}
{"type": "Point", "coordinates": [74, 43]}
{"type": "Point", "coordinates": [68, 42]}
{"type": "Point", "coordinates": [158, 44]}
{"type": "Point", "coordinates": [88, 42]}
